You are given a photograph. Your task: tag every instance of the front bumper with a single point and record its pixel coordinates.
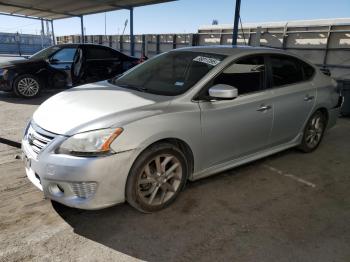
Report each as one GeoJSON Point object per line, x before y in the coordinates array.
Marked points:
{"type": "Point", "coordinates": [5, 84]}
{"type": "Point", "coordinates": [80, 182]}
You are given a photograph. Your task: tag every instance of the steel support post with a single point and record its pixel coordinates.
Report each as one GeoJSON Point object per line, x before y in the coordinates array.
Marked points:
{"type": "Point", "coordinates": [42, 33]}
{"type": "Point", "coordinates": [82, 29]}
{"type": "Point", "coordinates": [53, 33]}
{"type": "Point", "coordinates": [132, 37]}
{"type": "Point", "coordinates": [235, 26]}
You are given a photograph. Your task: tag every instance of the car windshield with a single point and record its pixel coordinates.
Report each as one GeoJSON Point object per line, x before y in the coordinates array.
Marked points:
{"type": "Point", "coordinates": [169, 74]}
{"type": "Point", "coordinates": [45, 53]}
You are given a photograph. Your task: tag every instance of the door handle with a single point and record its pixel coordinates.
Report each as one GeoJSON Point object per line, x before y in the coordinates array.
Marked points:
{"type": "Point", "coordinates": [264, 108]}
{"type": "Point", "coordinates": [308, 98]}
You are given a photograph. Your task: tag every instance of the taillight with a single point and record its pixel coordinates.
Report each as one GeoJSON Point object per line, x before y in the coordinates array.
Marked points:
{"type": "Point", "coordinates": [136, 62]}
{"type": "Point", "coordinates": [142, 59]}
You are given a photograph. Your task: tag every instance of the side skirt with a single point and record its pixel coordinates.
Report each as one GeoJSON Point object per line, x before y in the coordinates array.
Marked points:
{"type": "Point", "coordinates": [243, 160]}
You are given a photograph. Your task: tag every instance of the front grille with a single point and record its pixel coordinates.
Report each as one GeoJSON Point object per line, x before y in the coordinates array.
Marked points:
{"type": "Point", "coordinates": [38, 139]}
{"type": "Point", "coordinates": [84, 189]}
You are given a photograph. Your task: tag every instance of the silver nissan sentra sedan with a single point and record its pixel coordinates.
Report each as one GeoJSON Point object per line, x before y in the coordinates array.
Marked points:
{"type": "Point", "coordinates": [183, 115]}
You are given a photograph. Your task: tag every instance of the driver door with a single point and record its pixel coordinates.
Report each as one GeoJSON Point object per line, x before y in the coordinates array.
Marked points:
{"type": "Point", "coordinates": [77, 70]}
{"type": "Point", "coordinates": [236, 128]}
{"type": "Point", "coordinates": [61, 64]}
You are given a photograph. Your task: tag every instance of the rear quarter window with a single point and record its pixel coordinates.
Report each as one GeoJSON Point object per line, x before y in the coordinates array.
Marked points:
{"type": "Point", "coordinates": [287, 70]}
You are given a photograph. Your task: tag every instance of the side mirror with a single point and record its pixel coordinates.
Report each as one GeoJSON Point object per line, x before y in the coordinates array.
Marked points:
{"type": "Point", "coordinates": [222, 91]}
{"type": "Point", "coordinates": [52, 60]}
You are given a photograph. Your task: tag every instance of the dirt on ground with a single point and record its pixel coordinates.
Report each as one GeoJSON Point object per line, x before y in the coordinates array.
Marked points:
{"type": "Point", "coordinates": [288, 207]}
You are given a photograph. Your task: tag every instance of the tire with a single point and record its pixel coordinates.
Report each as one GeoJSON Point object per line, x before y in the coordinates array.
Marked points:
{"type": "Point", "coordinates": [313, 132]}
{"type": "Point", "coordinates": [27, 86]}
{"type": "Point", "coordinates": [150, 188]}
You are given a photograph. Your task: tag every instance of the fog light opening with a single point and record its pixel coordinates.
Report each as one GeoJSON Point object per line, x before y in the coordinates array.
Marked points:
{"type": "Point", "coordinates": [60, 188]}
{"type": "Point", "coordinates": [56, 190]}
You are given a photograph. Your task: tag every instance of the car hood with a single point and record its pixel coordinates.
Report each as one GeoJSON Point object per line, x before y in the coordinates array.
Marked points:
{"type": "Point", "coordinates": [95, 106]}
{"type": "Point", "coordinates": [20, 62]}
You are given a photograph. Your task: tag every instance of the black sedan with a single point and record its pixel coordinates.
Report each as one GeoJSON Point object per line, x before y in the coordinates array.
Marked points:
{"type": "Point", "coordinates": [63, 66]}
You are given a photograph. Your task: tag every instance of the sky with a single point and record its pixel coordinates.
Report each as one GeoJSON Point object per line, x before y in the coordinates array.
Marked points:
{"type": "Point", "coordinates": [186, 16]}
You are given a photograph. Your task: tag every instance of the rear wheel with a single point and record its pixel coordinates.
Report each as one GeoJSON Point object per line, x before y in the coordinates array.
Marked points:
{"type": "Point", "coordinates": [27, 86]}
{"type": "Point", "coordinates": [313, 132]}
{"type": "Point", "coordinates": [156, 178]}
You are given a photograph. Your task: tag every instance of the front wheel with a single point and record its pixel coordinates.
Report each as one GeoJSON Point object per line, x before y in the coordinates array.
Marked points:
{"type": "Point", "coordinates": [156, 178]}
{"type": "Point", "coordinates": [313, 132]}
{"type": "Point", "coordinates": [27, 86]}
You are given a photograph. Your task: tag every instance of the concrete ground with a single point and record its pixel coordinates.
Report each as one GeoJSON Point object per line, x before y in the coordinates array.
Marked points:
{"type": "Point", "coordinates": [287, 207]}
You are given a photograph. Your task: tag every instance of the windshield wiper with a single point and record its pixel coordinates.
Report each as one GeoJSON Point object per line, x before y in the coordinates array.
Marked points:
{"type": "Point", "coordinates": [134, 87]}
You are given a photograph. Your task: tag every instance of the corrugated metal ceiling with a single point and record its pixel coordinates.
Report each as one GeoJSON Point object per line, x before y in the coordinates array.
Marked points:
{"type": "Point", "coordinates": [59, 9]}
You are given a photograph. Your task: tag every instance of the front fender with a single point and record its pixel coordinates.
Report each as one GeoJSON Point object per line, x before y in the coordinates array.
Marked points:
{"type": "Point", "coordinates": [183, 125]}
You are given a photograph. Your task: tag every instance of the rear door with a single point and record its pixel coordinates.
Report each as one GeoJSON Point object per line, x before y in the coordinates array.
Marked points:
{"type": "Point", "coordinates": [101, 63]}
{"type": "Point", "coordinates": [236, 128]}
{"type": "Point", "coordinates": [293, 95]}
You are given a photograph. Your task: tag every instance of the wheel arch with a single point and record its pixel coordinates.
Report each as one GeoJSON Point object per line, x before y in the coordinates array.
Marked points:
{"type": "Point", "coordinates": [181, 144]}
{"type": "Point", "coordinates": [303, 146]}
{"type": "Point", "coordinates": [322, 109]}
{"type": "Point", "coordinates": [130, 192]}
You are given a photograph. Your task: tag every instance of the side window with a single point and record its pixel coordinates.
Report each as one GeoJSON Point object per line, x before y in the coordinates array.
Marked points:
{"type": "Point", "coordinates": [64, 55]}
{"type": "Point", "coordinates": [247, 75]}
{"type": "Point", "coordinates": [93, 52]}
{"type": "Point", "coordinates": [285, 70]}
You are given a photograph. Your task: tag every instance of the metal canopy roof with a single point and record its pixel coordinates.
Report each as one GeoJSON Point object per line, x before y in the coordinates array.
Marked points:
{"type": "Point", "coordinates": [58, 9]}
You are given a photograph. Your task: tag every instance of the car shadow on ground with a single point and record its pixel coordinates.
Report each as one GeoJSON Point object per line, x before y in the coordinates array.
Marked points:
{"type": "Point", "coordinates": [197, 221]}
{"type": "Point", "coordinates": [12, 98]}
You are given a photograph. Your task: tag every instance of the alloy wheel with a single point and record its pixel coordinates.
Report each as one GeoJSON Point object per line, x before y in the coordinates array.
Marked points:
{"type": "Point", "coordinates": [28, 87]}
{"type": "Point", "coordinates": [314, 131]}
{"type": "Point", "coordinates": [159, 180]}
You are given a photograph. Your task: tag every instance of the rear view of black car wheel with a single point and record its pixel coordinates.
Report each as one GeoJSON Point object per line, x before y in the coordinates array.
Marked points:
{"type": "Point", "coordinates": [27, 86]}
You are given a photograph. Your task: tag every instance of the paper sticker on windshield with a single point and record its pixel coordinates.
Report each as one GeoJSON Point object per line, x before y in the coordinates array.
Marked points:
{"type": "Point", "coordinates": [178, 83]}
{"type": "Point", "coordinates": [207, 60]}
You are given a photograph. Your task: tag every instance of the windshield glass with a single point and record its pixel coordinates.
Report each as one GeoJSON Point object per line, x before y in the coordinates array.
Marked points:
{"type": "Point", "coordinates": [45, 53]}
{"type": "Point", "coordinates": [169, 74]}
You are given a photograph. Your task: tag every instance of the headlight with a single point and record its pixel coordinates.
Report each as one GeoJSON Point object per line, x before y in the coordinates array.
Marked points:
{"type": "Point", "coordinates": [90, 143]}
{"type": "Point", "coordinates": [3, 71]}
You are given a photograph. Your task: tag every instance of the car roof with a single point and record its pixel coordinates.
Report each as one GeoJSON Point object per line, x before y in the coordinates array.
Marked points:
{"type": "Point", "coordinates": [79, 44]}
{"type": "Point", "coordinates": [230, 50]}
{"type": "Point", "coordinates": [74, 45]}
